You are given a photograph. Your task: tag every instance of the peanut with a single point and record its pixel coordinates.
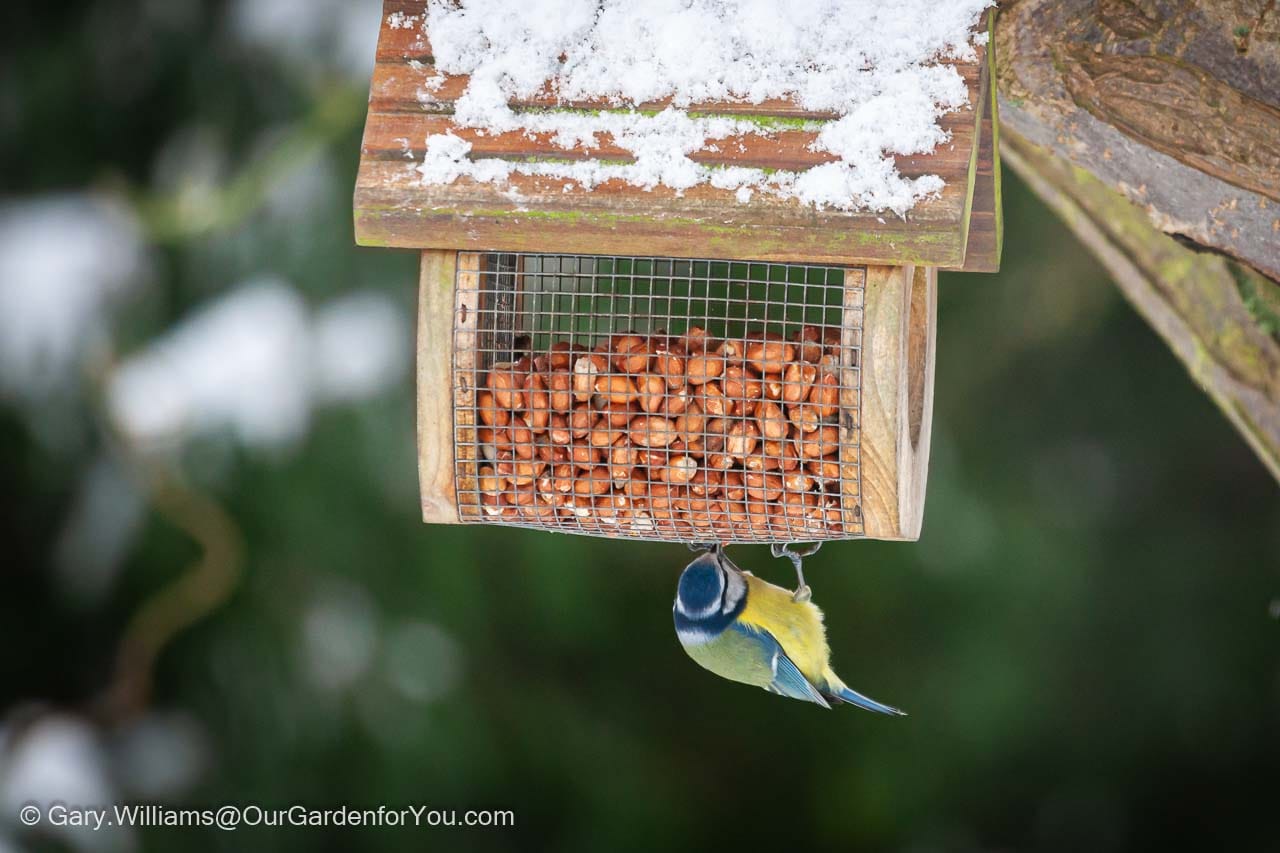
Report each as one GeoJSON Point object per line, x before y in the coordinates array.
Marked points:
{"type": "Point", "coordinates": [539, 402]}
{"type": "Point", "coordinates": [713, 402]}
{"type": "Point", "coordinates": [770, 355]}
{"type": "Point", "coordinates": [808, 342]}
{"type": "Point", "coordinates": [584, 370]}
{"type": "Point", "coordinates": [796, 381]}
{"type": "Point", "coordinates": [762, 486]}
{"type": "Point", "coordinates": [695, 340]}
{"type": "Point", "coordinates": [489, 481]}
{"type": "Point", "coordinates": [669, 362]}
{"type": "Point", "coordinates": [825, 395]}
{"type": "Point", "coordinates": [582, 420]}
{"type": "Point", "coordinates": [631, 353]}
{"type": "Point", "coordinates": [561, 385]}
{"type": "Point", "coordinates": [491, 414]}
{"type": "Point", "coordinates": [739, 383]}
{"type": "Point", "coordinates": [560, 356]}
{"type": "Point", "coordinates": [651, 390]}
{"type": "Point", "coordinates": [826, 469]}
{"type": "Point", "coordinates": [819, 443]}
{"type": "Point", "coordinates": [773, 423]}
{"type": "Point", "coordinates": [805, 416]}
{"type": "Point", "coordinates": [618, 415]}
{"type": "Point", "coordinates": [685, 436]}
{"type": "Point", "coordinates": [558, 429]}
{"type": "Point", "coordinates": [701, 369]}
{"type": "Point", "coordinates": [652, 431]}
{"type": "Point", "coordinates": [594, 481]}
{"type": "Point", "coordinates": [521, 437]}
{"type": "Point", "coordinates": [741, 440]}
{"type": "Point", "coordinates": [505, 381]}
{"type": "Point", "coordinates": [691, 423]}
{"type": "Point", "coordinates": [680, 470]}
{"type": "Point", "coordinates": [585, 455]}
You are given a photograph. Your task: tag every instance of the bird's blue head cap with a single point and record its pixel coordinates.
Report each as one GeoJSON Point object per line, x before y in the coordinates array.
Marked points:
{"type": "Point", "coordinates": [711, 594]}
{"type": "Point", "coordinates": [701, 585]}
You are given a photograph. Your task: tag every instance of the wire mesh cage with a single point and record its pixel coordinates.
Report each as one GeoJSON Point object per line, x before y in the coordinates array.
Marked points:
{"type": "Point", "coordinates": [657, 398]}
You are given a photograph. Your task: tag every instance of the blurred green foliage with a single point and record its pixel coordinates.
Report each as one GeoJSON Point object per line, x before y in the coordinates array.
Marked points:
{"type": "Point", "coordinates": [1081, 637]}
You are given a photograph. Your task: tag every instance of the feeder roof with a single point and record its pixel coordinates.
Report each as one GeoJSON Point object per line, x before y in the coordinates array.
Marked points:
{"type": "Point", "coordinates": [559, 144]}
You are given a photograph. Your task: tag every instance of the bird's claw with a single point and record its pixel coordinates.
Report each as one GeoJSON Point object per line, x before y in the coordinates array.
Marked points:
{"type": "Point", "coordinates": [802, 593]}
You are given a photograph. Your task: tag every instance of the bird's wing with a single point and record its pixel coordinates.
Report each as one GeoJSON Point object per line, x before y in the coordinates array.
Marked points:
{"type": "Point", "coordinates": [787, 679]}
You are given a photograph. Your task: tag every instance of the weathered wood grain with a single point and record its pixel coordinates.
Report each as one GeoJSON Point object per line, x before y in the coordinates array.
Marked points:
{"type": "Point", "coordinates": [986, 222]}
{"type": "Point", "coordinates": [436, 472]}
{"type": "Point", "coordinates": [898, 354]}
{"type": "Point", "coordinates": [1153, 129]}
{"type": "Point", "coordinates": [1165, 103]}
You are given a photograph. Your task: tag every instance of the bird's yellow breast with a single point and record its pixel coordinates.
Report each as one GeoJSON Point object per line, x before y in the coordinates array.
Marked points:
{"type": "Point", "coordinates": [796, 626]}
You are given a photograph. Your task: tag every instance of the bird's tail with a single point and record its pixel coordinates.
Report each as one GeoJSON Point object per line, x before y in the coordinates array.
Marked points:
{"type": "Point", "coordinates": [842, 693]}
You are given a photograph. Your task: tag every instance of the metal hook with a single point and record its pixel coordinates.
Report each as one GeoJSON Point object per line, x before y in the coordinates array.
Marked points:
{"type": "Point", "coordinates": [803, 593]}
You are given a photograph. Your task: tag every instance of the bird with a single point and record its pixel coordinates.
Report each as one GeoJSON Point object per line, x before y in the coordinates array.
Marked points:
{"type": "Point", "coordinates": [748, 630]}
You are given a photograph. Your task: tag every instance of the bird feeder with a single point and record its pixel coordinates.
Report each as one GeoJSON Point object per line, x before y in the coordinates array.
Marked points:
{"type": "Point", "coordinates": [677, 366]}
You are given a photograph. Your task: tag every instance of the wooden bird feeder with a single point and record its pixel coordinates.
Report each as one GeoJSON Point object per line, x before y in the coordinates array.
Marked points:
{"type": "Point", "coordinates": [662, 365]}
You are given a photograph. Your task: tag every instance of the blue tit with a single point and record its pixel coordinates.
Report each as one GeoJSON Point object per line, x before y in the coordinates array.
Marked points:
{"type": "Point", "coordinates": [748, 630]}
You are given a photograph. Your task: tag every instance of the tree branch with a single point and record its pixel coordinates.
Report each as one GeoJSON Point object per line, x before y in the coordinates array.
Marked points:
{"type": "Point", "coordinates": [1155, 135]}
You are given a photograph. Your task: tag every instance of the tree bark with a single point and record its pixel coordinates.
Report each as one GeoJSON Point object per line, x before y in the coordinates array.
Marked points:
{"type": "Point", "coordinates": [1153, 128]}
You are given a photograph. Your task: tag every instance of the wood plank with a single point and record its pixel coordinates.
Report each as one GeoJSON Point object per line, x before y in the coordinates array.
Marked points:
{"type": "Point", "coordinates": [436, 473]}
{"type": "Point", "coordinates": [900, 310]}
{"type": "Point", "coordinates": [986, 226]}
{"type": "Point", "coordinates": [921, 333]}
{"type": "Point", "coordinates": [701, 222]}
{"type": "Point", "coordinates": [411, 84]}
{"type": "Point", "coordinates": [402, 137]}
{"type": "Point", "coordinates": [408, 41]}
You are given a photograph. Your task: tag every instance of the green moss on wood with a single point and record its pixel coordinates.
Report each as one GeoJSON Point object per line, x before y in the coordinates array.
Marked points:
{"type": "Point", "coordinates": [1261, 298]}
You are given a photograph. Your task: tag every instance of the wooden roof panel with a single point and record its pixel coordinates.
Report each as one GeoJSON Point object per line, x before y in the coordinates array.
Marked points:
{"type": "Point", "coordinates": [394, 208]}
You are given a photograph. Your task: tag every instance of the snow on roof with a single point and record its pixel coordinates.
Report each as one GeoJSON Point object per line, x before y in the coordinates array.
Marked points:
{"type": "Point", "coordinates": [877, 66]}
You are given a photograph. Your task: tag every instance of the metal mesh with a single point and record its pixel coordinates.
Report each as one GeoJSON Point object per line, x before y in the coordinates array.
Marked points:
{"type": "Point", "coordinates": [654, 398]}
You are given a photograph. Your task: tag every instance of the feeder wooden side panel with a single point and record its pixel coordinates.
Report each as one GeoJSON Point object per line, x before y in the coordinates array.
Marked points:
{"type": "Point", "coordinates": [436, 397]}
{"type": "Point", "coordinates": [900, 315]}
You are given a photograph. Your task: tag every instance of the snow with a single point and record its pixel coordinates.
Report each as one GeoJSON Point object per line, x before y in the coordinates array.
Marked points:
{"type": "Point", "coordinates": [256, 362]}
{"type": "Point", "coordinates": [65, 262]}
{"type": "Point", "coordinates": [874, 65]}
{"type": "Point", "coordinates": [235, 364]}
{"type": "Point", "coordinates": [360, 346]}
{"type": "Point", "coordinates": [59, 758]}
{"type": "Point", "coordinates": [339, 641]}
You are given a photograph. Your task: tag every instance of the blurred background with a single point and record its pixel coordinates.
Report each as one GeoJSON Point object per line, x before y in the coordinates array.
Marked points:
{"type": "Point", "coordinates": [216, 587]}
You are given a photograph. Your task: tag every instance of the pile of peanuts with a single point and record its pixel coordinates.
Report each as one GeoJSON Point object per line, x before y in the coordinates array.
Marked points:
{"type": "Point", "coordinates": [678, 436]}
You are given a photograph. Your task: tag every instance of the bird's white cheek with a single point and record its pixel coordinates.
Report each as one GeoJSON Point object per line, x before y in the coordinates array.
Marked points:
{"type": "Point", "coordinates": [691, 637]}
{"type": "Point", "coordinates": [702, 613]}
